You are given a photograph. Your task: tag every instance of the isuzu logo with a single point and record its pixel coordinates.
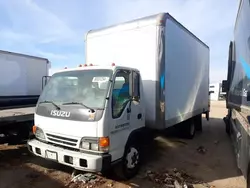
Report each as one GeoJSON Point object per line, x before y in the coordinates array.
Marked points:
{"type": "Point", "coordinates": [59, 113]}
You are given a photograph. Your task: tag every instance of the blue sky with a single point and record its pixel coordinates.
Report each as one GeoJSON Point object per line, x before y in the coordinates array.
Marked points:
{"type": "Point", "coordinates": [55, 29]}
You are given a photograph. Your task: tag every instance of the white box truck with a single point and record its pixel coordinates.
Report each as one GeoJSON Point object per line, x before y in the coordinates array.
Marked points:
{"type": "Point", "coordinates": [22, 78]}
{"type": "Point", "coordinates": [143, 75]}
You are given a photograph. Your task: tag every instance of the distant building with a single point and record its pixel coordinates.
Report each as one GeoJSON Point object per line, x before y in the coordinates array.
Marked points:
{"type": "Point", "coordinates": [215, 91]}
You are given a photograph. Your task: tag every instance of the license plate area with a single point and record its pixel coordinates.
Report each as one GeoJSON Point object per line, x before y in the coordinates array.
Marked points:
{"type": "Point", "coordinates": [51, 155]}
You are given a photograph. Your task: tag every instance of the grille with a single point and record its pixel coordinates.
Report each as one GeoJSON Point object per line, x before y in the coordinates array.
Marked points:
{"type": "Point", "coordinates": [62, 140]}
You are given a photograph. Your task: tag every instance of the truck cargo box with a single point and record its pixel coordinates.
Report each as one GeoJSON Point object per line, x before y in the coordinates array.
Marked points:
{"type": "Point", "coordinates": [173, 62]}
{"type": "Point", "coordinates": [21, 78]}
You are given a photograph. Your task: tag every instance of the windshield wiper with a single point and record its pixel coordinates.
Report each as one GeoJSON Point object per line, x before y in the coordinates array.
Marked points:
{"type": "Point", "coordinates": [58, 108]}
{"type": "Point", "coordinates": [69, 103]}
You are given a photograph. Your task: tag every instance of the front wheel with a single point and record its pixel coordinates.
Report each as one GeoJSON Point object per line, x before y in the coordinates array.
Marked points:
{"type": "Point", "coordinates": [130, 163]}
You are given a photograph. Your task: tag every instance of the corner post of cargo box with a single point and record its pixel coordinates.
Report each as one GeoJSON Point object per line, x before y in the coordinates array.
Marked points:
{"type": "Point", "coordinates": [160, 71]}
{"type": "Point", "coordinates": [85, 40]}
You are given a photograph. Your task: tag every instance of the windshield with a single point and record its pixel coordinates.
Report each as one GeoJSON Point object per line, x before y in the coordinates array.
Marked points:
{"type": "Point", "coordinates": [88, 87]}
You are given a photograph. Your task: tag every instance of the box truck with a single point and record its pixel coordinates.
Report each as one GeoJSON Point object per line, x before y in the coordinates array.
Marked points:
{"type": "Point", "coordinates": [139, 76]}
{"type": "Point", "coordinates": [22, 78]}
{"type": "Point", "coordinates": [237, 87]}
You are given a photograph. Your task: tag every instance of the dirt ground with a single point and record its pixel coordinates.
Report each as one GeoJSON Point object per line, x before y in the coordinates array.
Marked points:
{"type": "Point", "coordinates": [216, 165]}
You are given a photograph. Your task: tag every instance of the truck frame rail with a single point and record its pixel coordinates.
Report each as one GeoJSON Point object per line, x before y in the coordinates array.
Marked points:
{"type": "Point", "coordinates": [16, 115]}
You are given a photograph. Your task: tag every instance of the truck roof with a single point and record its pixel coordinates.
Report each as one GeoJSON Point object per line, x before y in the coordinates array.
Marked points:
{"type": "Point", "coordinates": [95, 67]}
{"type": "Point", "coordinates": [156, 19]}
{"type": "Point", "coordinates": [24, 55]}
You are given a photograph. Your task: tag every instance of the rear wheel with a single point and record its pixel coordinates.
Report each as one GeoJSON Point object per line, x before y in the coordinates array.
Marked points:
{"type": "Point", "coordinates": [190, 129]}
{"type": "Point", "coordinates": [227, 122]}
{"type": "Point", "coordinates": [228, 130]}
{"type": "Point", "coordinates": [198, 122]}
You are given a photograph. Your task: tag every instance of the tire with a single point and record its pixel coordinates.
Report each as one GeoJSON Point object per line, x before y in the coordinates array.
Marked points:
{"type": "Point", "coordinates": [228, 128]}
{"type": "Point", "coordinates": [227, 122]}
{"type": "Point", "coordinates": [130, 163]}
{"type": "Point", "coordinates": [248, 180]}
{"type": "Point", "coordinates": [190, 129]}
{"type": "Point", "coordinates": [198, 123]}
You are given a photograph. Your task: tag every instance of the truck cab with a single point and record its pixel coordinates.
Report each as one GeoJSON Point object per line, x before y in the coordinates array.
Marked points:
{"type": "Point", "coordinates": [91, 117]}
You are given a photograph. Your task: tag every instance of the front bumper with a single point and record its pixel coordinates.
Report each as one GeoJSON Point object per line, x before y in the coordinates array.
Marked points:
{"type": "Point", "coordinates": [75, 159]}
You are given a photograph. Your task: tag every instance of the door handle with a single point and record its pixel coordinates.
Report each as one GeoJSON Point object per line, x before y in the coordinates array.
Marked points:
{"type": "Point", "coordinates": [139, 116]}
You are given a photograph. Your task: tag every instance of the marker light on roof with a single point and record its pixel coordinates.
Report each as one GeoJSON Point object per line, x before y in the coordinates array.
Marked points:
{"type": "Point", "coordinates": [85, 65]}
{"type": "Point", "coordinates": [113, 64]}
{"type": "Point", "coordinates": [90, 64]}
{"type": "Point", "coordinates": [80, 65]}
{"type": "Point", "coordinates": [65, 67]}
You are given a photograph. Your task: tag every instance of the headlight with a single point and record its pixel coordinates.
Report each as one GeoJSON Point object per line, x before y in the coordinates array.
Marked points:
{"type": "Point", "coordinates": [95, 144]}
{"type": "Point", "coordinates": [38, 132]}
{"type": "Point", "coordinates": [85, 145]}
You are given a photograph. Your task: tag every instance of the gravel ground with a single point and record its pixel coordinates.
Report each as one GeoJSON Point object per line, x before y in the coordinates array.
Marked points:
{"type": "Point", "coordinates": [213, 163]}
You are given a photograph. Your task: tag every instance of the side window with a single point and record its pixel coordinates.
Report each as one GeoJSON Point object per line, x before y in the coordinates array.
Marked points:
{"type": "Point", "coordinates": [120, 93]}
{"type": "Point", "coordinates": [136, 86]}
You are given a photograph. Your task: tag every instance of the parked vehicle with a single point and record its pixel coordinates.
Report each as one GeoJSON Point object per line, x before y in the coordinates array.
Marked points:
{"type": "Point", "coordinates": [144, 75]}
{"type": "Point", "coordinates": [237, 87]}
{"type": "Point", "coordinates": [216, 93]}
{"type": "Point", "coordinates": [16, 123]}
{"type": "Point", "coordinates": [22, 78]}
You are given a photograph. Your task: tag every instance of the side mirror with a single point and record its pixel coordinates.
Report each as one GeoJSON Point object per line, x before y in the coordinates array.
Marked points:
{"type": "Point", "coordinates": [225, 87]}
{"type": "Point", "coordinates": [131, 84]}
{"type": "Point", "coordinates": [45, 80]}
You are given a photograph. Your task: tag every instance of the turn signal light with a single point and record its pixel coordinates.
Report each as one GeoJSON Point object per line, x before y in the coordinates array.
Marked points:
{"type": "Point", "coordinates": [34, 129]}
{"type": "Point", "coordinates": [104, 142]}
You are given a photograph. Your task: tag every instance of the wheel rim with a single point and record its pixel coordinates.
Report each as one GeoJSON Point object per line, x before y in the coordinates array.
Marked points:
{"type": "Point", "coordinates": [132, 158]}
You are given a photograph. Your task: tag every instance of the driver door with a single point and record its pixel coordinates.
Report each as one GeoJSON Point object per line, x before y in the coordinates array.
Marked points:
{"type": "Point", "coordinates": [124, 112]}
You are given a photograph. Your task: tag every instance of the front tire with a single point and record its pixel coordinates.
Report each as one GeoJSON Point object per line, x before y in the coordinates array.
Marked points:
{"type": "Point", "coordinates": [130, 163]}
